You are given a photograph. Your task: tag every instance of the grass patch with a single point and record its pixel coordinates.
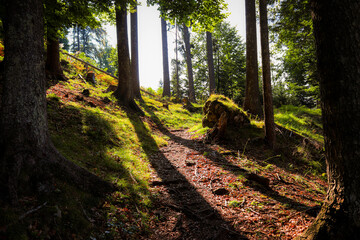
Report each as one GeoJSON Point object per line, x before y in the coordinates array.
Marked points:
{"type": "Point", "coordinates": [302, 120]}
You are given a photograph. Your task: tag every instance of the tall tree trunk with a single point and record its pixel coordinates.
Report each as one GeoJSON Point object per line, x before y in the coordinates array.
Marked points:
{"type": "Point", "coordinates": [336, 28]}
{"type": "Point", "coordinates": [166, 77]}
{"type": "Point", "coordinates": [210, 60]}
{"type": "Point", "coordinates": [177, 63]}
{"type": "Point", "coordinates": [52, 66]}
{"type": "Point", "coordinates": [252, 93]}
{"type": "Point", "coordinates": [268, 101]}
{"type": "Point", "coordinates": [78, 38]}
{"type": "Point", "coordinates": [28, 158]}
{"type": "Point", "coordinates": [135, 54]}
{"type": "Point", "coordinates": [189, 64]}
{"type": "Point", "coordinates": [124, 91]}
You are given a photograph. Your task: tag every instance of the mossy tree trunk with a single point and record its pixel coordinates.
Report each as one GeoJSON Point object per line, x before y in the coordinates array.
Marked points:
{"type": "Point", "coordinates": [191, 90]}
{"type": "Point", "coordinates": [252, 93]}
{"type": "Point", "coordinates": [165, 53]}
{"type": "Point", "coordinates": [28, 159]}
{"type": "Point", "coordinates": [336, 28]}
{"type": "Point", "coordinates": [268, 100]}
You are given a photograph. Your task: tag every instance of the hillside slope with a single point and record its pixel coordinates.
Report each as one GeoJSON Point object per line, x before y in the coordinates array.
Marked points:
{"type": "Point", "coordinates": [171, 185]}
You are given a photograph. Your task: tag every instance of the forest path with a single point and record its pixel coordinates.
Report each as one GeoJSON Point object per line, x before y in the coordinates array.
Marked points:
{"type": "Point", "coordinates": [203, 194]}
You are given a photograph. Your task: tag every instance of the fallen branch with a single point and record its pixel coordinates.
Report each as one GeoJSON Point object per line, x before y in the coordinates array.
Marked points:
{"type": "Point", "coordinates": [32, 211]}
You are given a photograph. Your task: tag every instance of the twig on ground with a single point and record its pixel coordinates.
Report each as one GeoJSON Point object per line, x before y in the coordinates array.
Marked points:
{"type": "Point", "coordinates": [32, 211]}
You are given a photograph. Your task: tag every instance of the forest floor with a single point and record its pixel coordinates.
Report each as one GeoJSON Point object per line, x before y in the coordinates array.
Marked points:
{"type": "Point", "coordinates": [203, 193]}
{"type": "Point", "coordinates": [171, 184]}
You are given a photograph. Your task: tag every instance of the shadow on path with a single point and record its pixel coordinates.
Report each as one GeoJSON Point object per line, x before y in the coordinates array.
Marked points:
{"type": "Point", "coordinates": [222, 162]}
{"type": "Point", "coordinates": [201, 220]}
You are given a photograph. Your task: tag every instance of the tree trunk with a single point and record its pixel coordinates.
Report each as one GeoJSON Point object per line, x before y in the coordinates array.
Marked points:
{"type": "Point", "coordinates": [28, 158]}
{"type": "Point", "coordinates": [166, 77]}
{"type": "Point", "coordinates": [252, 93]}
{"type": "Point", "coordinates": [268, 103]}
{"type": "Point", "coordinates": [52, 66]}
{"type": "Point", "coordinates": [210, 60]}
{"type": "Point", "coordinates": [124, 92]}
{"type": "Point", "coordinates": [189, 63]}
{"type": "Point", "coordinates": [78, 38]}
{"type": "Point", "coordinates": [177, 63]}
{"type": "Point", "coordinates": [135, 54]}
{"type": "Point", "coordinates": [336, 28]}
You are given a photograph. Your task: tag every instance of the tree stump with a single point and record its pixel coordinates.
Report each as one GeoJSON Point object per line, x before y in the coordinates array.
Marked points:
{"type": "Point", "coordinates": [220, 113]}
{"type": "Point", "coordinates": [90, 77]}
{"type": "Point", "coordinates": [189, 106]}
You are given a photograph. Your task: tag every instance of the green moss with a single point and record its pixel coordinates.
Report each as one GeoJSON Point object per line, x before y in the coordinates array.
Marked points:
{"type": "Point", "coordinates": [302, 120]}
{"type": "Point", "coordinates": [226, 102]}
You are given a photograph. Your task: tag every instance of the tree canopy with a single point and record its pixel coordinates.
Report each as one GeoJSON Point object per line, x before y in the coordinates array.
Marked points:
{"type": "Point", "coordinates": [292, 32]}
{"type": "Point", "coordinates": [199, 14]}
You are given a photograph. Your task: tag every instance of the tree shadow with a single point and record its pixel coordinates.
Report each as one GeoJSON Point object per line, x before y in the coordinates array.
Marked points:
{"type": "Point", "coordinates": [184, 197]}
{"type": "Point", "coordinates": [220, 161]}
{"type": "Point", "coordinates": [85, 137]}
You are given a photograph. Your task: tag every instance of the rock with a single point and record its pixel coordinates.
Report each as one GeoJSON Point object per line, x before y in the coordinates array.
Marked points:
{"type": "Point", "coordinates": [91, 104]}
{"type": "Point", "coordinates": [189, 163]}
{"type": "Point", "coordinates": [79, 98]}
{"type": "Point", "coordinates": [86, 92]}
{"type": "Point", "coordinates": [106, 100]}
{"type": "Point", "coordinates": [221, 191]}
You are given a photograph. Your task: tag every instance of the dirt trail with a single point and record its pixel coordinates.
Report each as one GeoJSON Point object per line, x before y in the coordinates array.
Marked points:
{"type": "Point", "coordinates": [203, 195]}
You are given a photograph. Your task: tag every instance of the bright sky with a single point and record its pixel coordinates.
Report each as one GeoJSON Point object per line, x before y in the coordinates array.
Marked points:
{"type": "Point", "coordinates": [150, 48]}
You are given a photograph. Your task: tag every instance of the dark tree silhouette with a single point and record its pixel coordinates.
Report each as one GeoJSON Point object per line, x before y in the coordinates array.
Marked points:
{"type": "Point", "coordinates": [166, 77]}
{"type": "Point", "coordinates": [336, 28]}
{"type": "Point", "coordinates": [28, 158]}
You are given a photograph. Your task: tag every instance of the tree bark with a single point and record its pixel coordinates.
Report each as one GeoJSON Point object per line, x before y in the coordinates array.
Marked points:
{"type": "Point", "coordinates": [177, 63]}
{"type": "Point", "coordinates": [268, 101]}
{"type": "Point", "coordinates": [189, 64]}
{"type": "Point", "coordinates": [135, 54]}
{"type": "Point", "coordinates": [252, 93]}
{"type": "Point", "coordinates": [336, 28]}
{"type": "Point", "coordinates": [166, 77]}
{"type": "Point", "coordinates": [210, 60]}
{"type": "Point", "coordinates": [52, 65]}
{"type": "Point", "coordinates": [124, 91]}
{"type": "Point", "coordinates": [28, 159]}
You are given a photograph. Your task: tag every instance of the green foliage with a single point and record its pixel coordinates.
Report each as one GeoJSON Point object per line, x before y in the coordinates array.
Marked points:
{"type": "Point", "coordinates": [302, 120]}
{"type": "Point", "coordinates": [229, 63]}
{"type": "Point", "coordinates": [61, 14]}
{"type": "Point", "coordinates": [291, 29]}
{"type": "Point", "coordinates": [202, 15]}
{"type": "Point", "coordinates": [1, 51]}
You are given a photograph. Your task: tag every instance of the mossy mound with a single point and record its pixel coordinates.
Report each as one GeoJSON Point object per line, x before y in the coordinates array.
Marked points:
{"type": "Point", "coordinates": [217, 105]}
{"type": "Point", "coordinates": [221, 113]}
